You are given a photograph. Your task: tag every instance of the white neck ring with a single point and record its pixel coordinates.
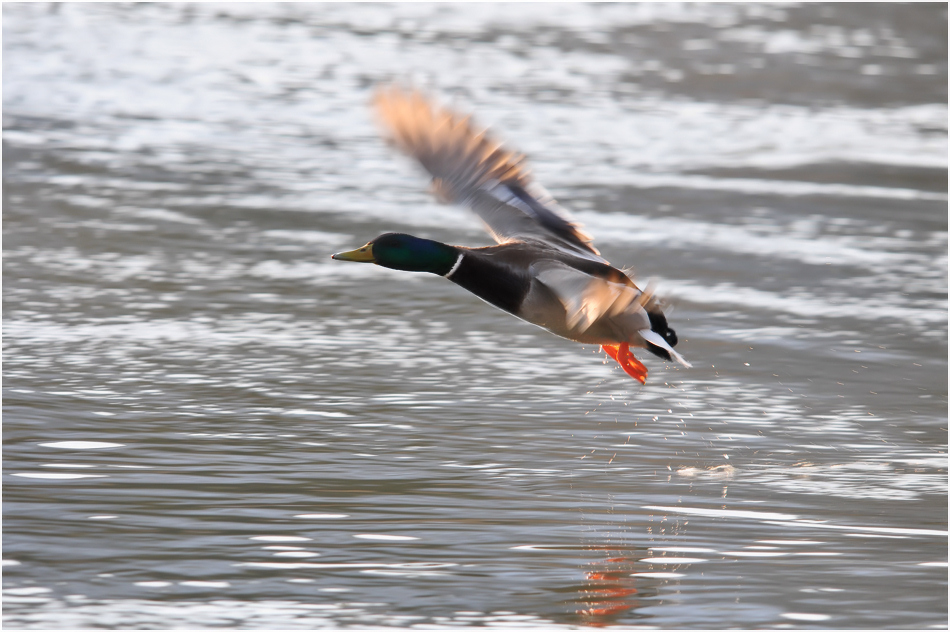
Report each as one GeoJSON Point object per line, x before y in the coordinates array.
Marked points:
{"type": "Point", "coordinates": [458, 262]}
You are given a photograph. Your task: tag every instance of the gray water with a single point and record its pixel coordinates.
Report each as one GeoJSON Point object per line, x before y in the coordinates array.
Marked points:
{"type": "Point", "coordinates": [207, 422]}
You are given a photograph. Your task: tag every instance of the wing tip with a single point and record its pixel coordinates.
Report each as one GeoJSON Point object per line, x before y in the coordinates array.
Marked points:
{"type": "Point", "coordinates": [464, 157]}
{"type": "Point", "coordinates": [420, 126]}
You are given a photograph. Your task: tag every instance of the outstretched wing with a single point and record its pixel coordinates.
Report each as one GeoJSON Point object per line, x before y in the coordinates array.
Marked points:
{"type": "Point", "coordinates": [471, 169]}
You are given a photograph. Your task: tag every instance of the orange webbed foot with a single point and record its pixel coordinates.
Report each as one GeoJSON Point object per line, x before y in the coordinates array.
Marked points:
{"type": "Point", "coordinates": [624, 357]}
{"type": "Point", "coordinates": [611, 350]}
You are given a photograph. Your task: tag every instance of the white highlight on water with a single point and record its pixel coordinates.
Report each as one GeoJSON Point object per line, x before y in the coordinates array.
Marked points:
{"type": "Point", "coordinates": [82, 445]}
{"type": "Point", "coordinates": [673, 560]}
{"type": "Point", "coordinates": [322, 516]}
{"type": "Point", "coordinates": [57, 476]}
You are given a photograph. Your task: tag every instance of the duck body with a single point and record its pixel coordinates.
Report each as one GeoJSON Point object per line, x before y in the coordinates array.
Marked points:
{"type": "Point", "coordinates": [512, 277]}
{"type": "Point", "coordinates": [544, 268]}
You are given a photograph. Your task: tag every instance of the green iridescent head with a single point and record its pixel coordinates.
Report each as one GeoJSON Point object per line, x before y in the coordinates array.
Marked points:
{"type": "Point", "coordinates": [404, 252]}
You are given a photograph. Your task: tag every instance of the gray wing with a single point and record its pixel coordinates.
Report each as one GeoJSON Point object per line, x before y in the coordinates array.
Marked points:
{"type": "Point", "coordinates": [471, 169]}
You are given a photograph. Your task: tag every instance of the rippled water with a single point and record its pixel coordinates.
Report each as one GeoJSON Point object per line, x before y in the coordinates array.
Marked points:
{"type": "Point", "coordinates": [209, 423]}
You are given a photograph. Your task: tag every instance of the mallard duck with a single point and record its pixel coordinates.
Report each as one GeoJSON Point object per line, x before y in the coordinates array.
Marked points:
{"type": "Point", "coordinates": [544, 268]}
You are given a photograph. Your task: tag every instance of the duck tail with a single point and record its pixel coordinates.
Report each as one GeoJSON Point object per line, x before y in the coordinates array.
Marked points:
{"type": "Point", "coordinates": [659, 346]}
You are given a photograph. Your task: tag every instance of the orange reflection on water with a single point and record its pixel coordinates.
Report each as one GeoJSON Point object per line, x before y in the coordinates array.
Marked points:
{"type": "Point", "coordinates": [609, 589]}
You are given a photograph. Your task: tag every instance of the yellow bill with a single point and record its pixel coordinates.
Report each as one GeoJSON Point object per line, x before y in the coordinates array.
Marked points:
{"type": "Point", "coordinates": [364, 255]}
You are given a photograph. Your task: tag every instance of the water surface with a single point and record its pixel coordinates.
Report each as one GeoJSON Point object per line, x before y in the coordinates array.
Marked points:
{"type": "Point", "coordinates": [210, 423]}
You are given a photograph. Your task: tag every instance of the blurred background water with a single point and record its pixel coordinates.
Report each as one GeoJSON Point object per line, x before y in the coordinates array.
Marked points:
{"type": "Point", "coordinates": [209, 423]}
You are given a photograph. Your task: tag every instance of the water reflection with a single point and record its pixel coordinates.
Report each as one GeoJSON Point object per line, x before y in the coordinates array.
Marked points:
{"type": "Point", "coordinates": [610, 588]}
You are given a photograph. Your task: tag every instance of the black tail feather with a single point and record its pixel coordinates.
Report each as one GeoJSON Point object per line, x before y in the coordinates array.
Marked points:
{"type": "Point", "coordinates": [658, 351]}
{"type": "Point", "coordinates": [658, 324]}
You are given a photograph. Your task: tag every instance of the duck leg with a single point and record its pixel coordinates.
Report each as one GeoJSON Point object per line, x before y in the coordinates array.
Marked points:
{"type": "Point", "coordinates": [624, 357]}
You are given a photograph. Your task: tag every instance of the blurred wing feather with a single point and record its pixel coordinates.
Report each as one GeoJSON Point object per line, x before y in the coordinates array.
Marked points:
{"type": "Point", "coordinates": [469, 168]}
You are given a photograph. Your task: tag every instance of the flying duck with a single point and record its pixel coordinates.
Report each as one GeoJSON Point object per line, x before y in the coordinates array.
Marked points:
{"type": "Point", "coordinates": [544, 268]}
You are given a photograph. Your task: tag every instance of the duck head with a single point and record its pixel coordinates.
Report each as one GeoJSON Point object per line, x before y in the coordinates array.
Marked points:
{"type": "Point", "coordinates": [404, 252]}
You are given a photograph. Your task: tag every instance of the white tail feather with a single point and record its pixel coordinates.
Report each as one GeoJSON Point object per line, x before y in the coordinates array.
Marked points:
{"type": "Point", "coordinates": [654, 338]}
